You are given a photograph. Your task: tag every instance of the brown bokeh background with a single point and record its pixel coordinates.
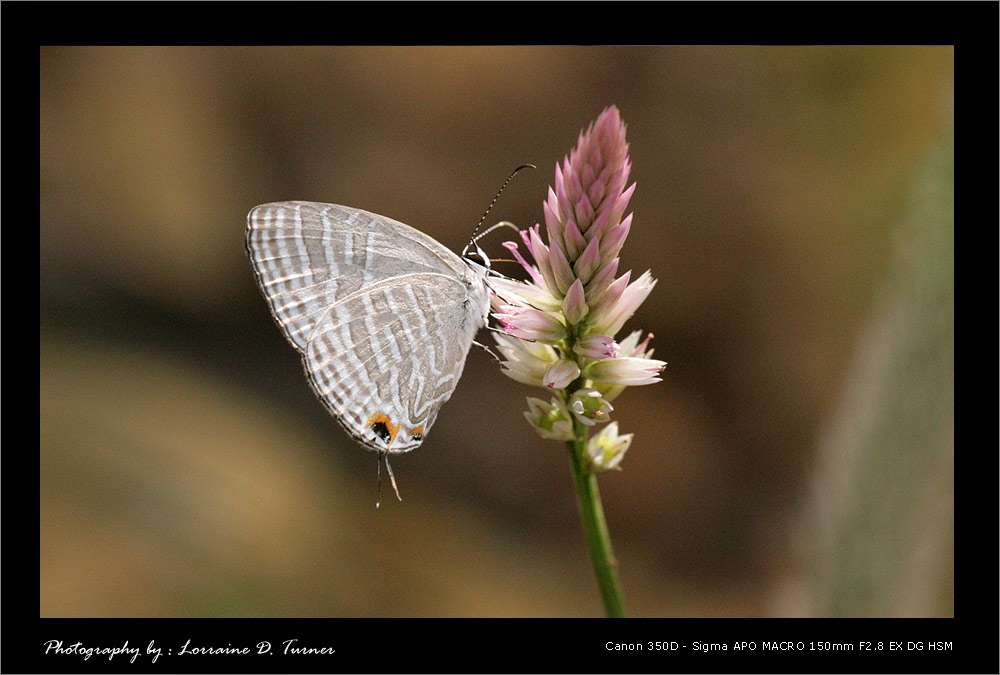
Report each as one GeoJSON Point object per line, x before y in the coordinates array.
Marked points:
{"type": "Point", "coordinates": [795, 204]}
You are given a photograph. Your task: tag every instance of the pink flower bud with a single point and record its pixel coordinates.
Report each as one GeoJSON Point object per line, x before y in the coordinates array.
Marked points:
{"type": "Point", "coordinates": [540, 252]}
{"type": "Point", "coordinates": [626, 370]}
{"type": "Point", "coordinates": [529, 323]}
{"type": "Point", "coordinates": [597, 347]}
{"type": "Point", "coordinates": [588, 262]}
{"type": "Point", "coordinates": [611, 243]}
{"type": "Point", "coordinates": [604, 304]}
{"type": "Point", "coordinates": [602, 279]}
{"type": "Point", "coordinates": [574, 306]}
{"type": "Point", "coordinates": [609, 319]}
{"type": "Point", "coordinates": [561, 271]}
{"type": "Point", "coordinates": [561, 374]}
{"type": "Point", "coordinates": [527, 362]}
{"type": "Point", "coordinates": [575, 243]}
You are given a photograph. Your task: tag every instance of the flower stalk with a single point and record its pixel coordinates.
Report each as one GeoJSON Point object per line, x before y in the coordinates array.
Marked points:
{"type": "Point", "coordinates": [558, 328]}
{"type": "Point", "coordinates": [595, 527]}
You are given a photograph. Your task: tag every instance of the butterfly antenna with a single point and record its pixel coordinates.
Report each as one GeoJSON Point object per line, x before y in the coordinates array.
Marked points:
{"type": "Point", "coordinates": [502, 223]}
{"type": "Point", "coordinates": [473, 238]}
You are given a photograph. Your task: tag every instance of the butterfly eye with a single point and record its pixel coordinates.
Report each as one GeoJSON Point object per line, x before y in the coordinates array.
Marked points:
{"type": "Point", "coordinates": [475, 254]}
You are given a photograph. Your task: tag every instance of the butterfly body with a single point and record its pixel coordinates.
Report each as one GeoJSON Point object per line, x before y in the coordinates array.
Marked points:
{"type": "Point", "coordinates": [382, 314]}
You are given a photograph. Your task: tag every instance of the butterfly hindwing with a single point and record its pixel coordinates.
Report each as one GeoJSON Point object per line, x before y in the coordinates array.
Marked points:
{"type": "Point", "coordinates": [381, 362]}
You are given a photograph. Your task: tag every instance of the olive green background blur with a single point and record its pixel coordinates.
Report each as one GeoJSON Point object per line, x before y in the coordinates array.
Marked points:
{"type": "Point", "coordinates": [795, 204]}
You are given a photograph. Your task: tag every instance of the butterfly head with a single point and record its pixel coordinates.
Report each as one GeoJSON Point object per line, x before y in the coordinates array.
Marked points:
{"type": "Point", "coordinates": [473, 253]}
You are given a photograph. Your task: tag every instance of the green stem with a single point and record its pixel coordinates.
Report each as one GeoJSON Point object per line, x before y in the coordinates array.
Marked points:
{"type": "Point", "coordinates": [595, 528]}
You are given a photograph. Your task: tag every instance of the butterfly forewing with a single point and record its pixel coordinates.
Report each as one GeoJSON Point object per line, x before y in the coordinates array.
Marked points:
{"type": "Point", "coordinates": [307, 255]}
{"type": "Point", "coordinates": [383, 315]}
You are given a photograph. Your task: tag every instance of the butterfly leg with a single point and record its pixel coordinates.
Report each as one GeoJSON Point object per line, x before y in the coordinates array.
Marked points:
{"type": "Point", "coordinates": [502, 332]}
{"type": "Point", "coordinates": [493, 273]}
{"type": "Point", "coordinates": [488, 351]}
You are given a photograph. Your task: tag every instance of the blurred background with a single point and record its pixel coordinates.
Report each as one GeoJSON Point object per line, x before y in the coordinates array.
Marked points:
{"type": "Point", "coordinates": [795, 204]}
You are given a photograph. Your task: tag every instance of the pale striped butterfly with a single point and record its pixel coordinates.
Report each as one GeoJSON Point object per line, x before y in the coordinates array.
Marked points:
{"type": "Point", "coordinates": [382, 314]}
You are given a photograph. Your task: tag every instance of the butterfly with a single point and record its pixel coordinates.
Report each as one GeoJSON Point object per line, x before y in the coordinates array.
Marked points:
{"type": "Point", "coordinates": [382, 314]}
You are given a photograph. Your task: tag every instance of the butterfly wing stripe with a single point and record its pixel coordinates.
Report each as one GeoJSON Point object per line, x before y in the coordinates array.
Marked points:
{"type": "Point", "coordinates": [285, 279]}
